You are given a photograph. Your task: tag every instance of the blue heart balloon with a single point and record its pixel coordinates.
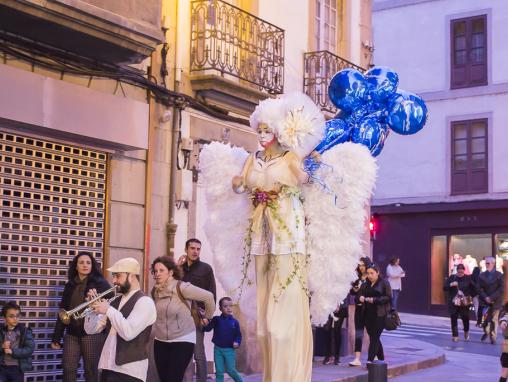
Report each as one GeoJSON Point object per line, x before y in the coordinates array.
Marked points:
{"type": "Point", "coordinates": [407, 113]}
{"type": "Point", "coordinates": [382, 83]}
{"type": "Point", "coordinates": [371, 132]}
{"type": "Point", "coordinates": [348, 89]}
{"type": "Point", "coordinates": [336, 131]}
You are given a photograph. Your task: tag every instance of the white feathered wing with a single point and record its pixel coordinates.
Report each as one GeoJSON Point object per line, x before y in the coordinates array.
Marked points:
{"type": "Point", "coordinates": [336, 223]}
{"type": "Point", "coordinates": [227, 221]}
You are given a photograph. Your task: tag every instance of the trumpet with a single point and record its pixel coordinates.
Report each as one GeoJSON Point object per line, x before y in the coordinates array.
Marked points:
{"type": "Point", "coordinates": [85, 309]}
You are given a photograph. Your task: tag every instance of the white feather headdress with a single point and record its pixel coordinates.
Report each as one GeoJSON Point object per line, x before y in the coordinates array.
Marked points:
{"type": "Point", "coordinates": [295, 120]}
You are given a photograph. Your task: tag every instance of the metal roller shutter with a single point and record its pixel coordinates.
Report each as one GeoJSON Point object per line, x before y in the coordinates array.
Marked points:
{"type": "Point", "coordinates": [52, 198]}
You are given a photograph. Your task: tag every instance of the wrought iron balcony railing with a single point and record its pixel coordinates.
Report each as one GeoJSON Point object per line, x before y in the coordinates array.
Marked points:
{"type": "Point", "coordinates": [228, 40]}
{"type": "Point", "coordinates": [319, 70]}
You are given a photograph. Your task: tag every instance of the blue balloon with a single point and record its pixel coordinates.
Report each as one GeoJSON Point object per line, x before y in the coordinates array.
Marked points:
{"type": "Point", "coordinates": [407, 113]}
{"type": "Point", "coordinates": [336, 131]}
{"type": "Point", "coordinates": [348, 89]}
{"type": "Point", "coordinates": [382, 83]}
{"type": "Point", "coordinates": [370, 132]}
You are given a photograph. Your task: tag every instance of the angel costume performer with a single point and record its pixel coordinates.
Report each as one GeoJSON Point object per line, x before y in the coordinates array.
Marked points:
{"type": "Point", "coordinates": [289, 225]}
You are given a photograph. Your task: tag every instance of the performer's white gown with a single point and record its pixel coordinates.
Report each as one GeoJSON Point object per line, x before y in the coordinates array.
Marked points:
{"type": "Point", "coordinates": [278, 243]}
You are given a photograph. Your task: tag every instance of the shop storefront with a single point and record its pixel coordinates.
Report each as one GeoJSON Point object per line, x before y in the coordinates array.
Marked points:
{"type": "Point", "coordinates": [431, 239]}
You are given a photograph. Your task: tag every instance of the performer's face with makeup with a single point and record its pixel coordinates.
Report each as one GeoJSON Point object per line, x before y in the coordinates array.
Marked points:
{"type": "Point", "coordinates": [266, 135]}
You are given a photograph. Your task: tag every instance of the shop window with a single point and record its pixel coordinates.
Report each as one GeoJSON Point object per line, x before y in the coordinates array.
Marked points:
{"type": "Point", "coordinates": [471, 251]}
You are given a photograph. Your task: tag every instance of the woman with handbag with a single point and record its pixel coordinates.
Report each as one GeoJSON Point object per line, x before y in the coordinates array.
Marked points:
{"type": "Point", "coordinates": [460, 290]}
{"type": "Point", "coordinates": [174, 328]}
{"type": "Point", "coordinates": [376, 296]}
{"type": "Point", "coordinates": [361, 271]}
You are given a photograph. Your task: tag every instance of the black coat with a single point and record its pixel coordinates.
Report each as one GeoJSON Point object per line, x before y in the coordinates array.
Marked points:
{"type": "Point", "coordinates": [466, 285]}
{"type": "Point", "coordinates": [200, 274]}
{"type": "Point", "coordinates": [493, 288]}
{"type": "Point", "coordinates": [381, 292]}
{"type": "Point", "coordinates": [76, 327]}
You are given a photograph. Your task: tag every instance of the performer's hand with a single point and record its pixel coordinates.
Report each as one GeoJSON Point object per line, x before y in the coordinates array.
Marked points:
{"type": "Point", "coordinates": [362, 299]}
{"type": "Point", "coordinates": [55, 346]}
{"type": "Point", "coordinates": [316, 156]}
{"type": "Point", "coordinates": [100, 307]}
{"type": "Point", "coordinates": [235, 345]}
{"type": "Point", "coordinates": [237, 181]}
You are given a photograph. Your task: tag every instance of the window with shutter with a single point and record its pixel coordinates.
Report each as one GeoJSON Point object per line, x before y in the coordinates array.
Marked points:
{"type": "Point", "coordinates": [469, 150]}
{"type": "Point", "coordinates": [468, 52]}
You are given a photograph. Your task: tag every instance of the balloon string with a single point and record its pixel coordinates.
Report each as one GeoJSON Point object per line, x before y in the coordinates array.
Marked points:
{"type": "Point", "coordinates": [311, 168]}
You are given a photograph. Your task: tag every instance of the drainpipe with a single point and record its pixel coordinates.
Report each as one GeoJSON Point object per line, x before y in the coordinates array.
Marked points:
{"type": "Point", "coordinates": [175, 136]}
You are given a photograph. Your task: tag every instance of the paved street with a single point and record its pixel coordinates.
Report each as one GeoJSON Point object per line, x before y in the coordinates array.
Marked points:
{"type": "Point", "coordinates": [478, 361]}
{"type": "Point", "coordinates": [441, 336]}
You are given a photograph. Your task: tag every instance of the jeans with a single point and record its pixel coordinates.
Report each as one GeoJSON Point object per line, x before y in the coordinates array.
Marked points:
{"type": "Point", "coordinates": [225, 361]}
{"type": "Point", "coordinates": [200, 358]}
{"type": "Point", "coordinates": [10, 374]}
{"type": "Point", "coordinates": [395, 298]}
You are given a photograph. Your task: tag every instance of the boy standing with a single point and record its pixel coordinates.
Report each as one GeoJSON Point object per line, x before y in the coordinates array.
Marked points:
{"type": "Point", "coordinates": [17, 345]}
{"type": "Point", "coordinates": [226, 337]}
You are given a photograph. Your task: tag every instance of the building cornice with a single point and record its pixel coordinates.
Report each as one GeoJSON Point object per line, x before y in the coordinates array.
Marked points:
{"type": "Point", "coordinates": [389, 4]}
{"type": "Point", "coordinates": [476, 91]}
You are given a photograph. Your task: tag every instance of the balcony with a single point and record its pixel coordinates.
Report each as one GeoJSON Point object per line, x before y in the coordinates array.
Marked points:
{"type": "Point", "coordinates": [236, 58]}
{"type": "Point", "coordinates": [319, 70]}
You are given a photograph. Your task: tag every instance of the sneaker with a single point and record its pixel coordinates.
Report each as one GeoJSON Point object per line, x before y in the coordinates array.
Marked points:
{"type": "Point", "coordinates": [355, 362]}
{"type": "Point", "coordinates": [484, 337]}
{"type": "Point", "coordinates": [455, 339]}
{"type": "Point", "coordinates": [327, 361]}
{"type": "Point", "coordinates": [466, 336]}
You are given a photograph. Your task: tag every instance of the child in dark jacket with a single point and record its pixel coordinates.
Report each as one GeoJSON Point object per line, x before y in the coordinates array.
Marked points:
{"type": "Point", "coordinates": [226, 338]}
{"type": "Point", "coordinates": [17, 345]}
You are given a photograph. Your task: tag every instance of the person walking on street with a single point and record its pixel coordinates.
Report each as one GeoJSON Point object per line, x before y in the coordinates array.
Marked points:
{"type": "Point", "coordinates": [174, 330]}
{"type": "Point", "coordinates": [199, 274]}
{"type": "Point", "coordinates": [503, 325]}
{"type": "Point", "coordinates": [361, 271]}
{"type": "Point", "coordinates": [227, 337]}
{"type": "Point", "coordinates": [460, 290]}
{"type": "Point", "coordinates": [490, 289]}
{"type": "Point", "coordinates": [375, 295]}
{"type": "Point", "coordinates": [83, 275]}
{"type": "Point", "coordinates": [395, 273]}
{"type": "Point", "coordinates": [128, 321]}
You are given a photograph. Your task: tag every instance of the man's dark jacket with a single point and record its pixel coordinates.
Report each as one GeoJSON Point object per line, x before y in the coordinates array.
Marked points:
{"type": "Point", "coordinates": [200, 274]}
{"type": "Point", "coordinates": [492, 287]}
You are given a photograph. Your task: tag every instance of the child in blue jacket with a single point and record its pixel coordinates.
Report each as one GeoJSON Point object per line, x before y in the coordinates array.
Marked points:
{"type": "Point", "coordinates": [226, 338]}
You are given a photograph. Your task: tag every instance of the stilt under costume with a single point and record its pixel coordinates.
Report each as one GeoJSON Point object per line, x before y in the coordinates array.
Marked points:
{"type": "Point", "coordinates": [289, 228]}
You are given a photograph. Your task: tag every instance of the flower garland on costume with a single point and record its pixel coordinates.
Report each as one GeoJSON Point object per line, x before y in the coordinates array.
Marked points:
{"type": "Point", "coordinates": [270, 199]}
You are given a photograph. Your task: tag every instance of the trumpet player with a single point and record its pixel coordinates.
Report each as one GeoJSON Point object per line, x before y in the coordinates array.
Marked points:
{"type": "Point", "coordinates": [84, 274]}
{"type": "Point", "coordinates": [128, 321]}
